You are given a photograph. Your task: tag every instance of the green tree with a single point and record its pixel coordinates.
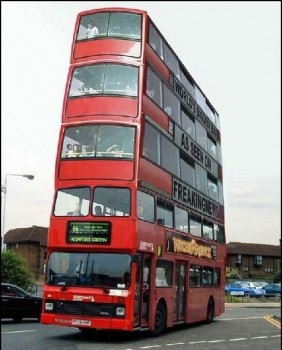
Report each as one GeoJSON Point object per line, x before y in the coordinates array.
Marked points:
{"type": "Point", "coordinates": [14, 270]}
{"type": "Point", "coordinates": [232, 273]}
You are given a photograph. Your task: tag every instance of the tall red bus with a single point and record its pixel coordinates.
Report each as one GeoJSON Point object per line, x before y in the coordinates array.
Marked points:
{"type": "Point", "coordinates": [136, 239]}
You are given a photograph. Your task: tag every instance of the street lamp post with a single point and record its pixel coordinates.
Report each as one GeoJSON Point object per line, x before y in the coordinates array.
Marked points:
{"type": "Point", "coordinates": [4, 190]}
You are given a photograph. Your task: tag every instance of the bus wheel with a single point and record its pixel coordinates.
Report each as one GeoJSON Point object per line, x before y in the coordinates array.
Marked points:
{"type": "Point", "coordinates": [160, 320]}
{"type": "Point", "coordinates": [210, 311]}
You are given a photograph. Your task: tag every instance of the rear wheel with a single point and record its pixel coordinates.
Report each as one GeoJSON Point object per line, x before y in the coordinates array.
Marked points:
{"type": "Point", "coordinates": [210, 312]}
{"type": "Point", "coordinates": [160, 320]}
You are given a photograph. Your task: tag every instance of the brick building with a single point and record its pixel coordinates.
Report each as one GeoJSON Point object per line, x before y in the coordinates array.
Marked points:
{"type": "Point", "coordinates": [31, 244]}
{"type": "Point", "coordinates": [256, 261]}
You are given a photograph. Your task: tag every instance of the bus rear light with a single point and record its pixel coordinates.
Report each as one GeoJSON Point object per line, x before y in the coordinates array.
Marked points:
{"type": "Point", "coordinates": [49, 295]}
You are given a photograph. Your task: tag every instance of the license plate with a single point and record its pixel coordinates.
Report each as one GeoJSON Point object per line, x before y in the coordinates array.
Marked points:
{"type": "Point", "coordinates": [81, 322]}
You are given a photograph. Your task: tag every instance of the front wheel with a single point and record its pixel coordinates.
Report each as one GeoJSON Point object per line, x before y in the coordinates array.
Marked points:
{"type": "Point", "coordinates": [160, 320]}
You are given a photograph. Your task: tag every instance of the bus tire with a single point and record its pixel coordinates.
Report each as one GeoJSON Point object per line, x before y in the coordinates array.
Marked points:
{"type": "Point", "coordinates": [160, 320]}
{"type": "Point", "coordinates": [210, 311]}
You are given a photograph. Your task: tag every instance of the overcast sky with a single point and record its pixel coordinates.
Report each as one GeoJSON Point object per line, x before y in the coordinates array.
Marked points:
{"type": "Point", "coordinates": [233, 51]}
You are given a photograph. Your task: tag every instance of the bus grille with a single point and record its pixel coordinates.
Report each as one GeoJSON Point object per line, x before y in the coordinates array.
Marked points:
{"type": "Point", "coordinates": [85, 309]}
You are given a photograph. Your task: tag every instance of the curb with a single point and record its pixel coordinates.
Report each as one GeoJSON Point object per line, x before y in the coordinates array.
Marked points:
{"type": "Point", "coordinates": [257, 305]}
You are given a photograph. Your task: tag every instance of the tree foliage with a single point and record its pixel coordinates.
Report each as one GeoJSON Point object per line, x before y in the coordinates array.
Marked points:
{"type": "Point", "coordinates": [277, 277]}
{"type": "Point", "coordinates": [14, 270]}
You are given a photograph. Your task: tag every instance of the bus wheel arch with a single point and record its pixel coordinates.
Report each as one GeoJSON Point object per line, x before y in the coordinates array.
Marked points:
{"type": "Point", "coordinates": [210, 310]}
{"type": "Point", "coordinates": [160, 319]}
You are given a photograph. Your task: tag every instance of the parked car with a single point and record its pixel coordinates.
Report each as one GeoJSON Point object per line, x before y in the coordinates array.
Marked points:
{"type": "Point", "coordinates": [272, 290]}
{"type": "Point", "coordinates": [259, 284]}
{"type": "Point", "coordinates": [250, 284]}
{"type": "Point", "coordinates": [242, 289]}
{"type": "Point", "coordinates": [17, 304]}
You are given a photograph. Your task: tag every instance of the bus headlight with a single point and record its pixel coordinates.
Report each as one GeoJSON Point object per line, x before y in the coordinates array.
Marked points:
{"type": "Point", "coordinates": [49, 306]}
{"type": "Point", "coordinates": [120, 311]}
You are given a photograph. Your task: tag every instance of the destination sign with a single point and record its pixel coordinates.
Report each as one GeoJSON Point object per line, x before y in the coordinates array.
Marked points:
{"type": "Point", "coordinates": [89, 232]}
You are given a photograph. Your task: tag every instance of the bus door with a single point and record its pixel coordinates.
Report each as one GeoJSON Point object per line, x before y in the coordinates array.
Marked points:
{"type": "Point", "coordinates": [179, 291]}
{"type": "Point", "coordinates": [142, 292]}
{"type": "Point", "coordinates": [143, 280]}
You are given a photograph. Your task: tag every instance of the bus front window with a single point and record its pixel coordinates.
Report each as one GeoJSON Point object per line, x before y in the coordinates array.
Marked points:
{"type": "Point", "coordinates": [104, 79]}
{"type": "Point", "coordinates": [113, 201]}
{"type": "Point", "coordinates": [93, 141]}
{"type": "Point", "coordinates": [117, 24]}
{"type": "Point", "coordinates": [89, 270]}
{"type": "Point", "coordinates": [72, 202]}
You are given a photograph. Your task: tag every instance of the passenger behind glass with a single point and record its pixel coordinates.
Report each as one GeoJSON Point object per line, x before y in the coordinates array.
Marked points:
{"type": "Point", "coordinates": [115, 149]}
{"type": "Point", "coordinates": [76, 150]}
{"type": "Point", "coordinates": [98, 211]}
{"type": "Point", "coordinates": [69, 151]}
{"type": "Point", "coordinates": [92, 31]}
{"type": "Point", "coordinates": [75, 211]}
{"type": "Point", "coordinates": [84, 88]}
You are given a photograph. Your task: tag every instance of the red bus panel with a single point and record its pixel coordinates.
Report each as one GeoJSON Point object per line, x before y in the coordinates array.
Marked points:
{"type": "Point", "coordinates": [101, 105]}
{"type": "Point", "coordinates": [117, 47]}
{"type": "Point", "coordinates": [122, 234]}
{"type": "Point", "coordinates": [155, 176]}
{"type": "Point", "coordinates": [99, 169]}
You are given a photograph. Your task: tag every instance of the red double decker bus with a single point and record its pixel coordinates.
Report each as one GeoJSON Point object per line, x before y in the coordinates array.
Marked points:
{"type": "Point", "coordinates": [136, 239]}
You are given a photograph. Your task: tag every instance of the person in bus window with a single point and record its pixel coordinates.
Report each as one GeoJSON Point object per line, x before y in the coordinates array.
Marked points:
{"type": "Point", "coordinates": [76, 150]}
{"type": "Point", "coordinates": [69, 151]}
{"type": "Point", "coordinates": [75, 211]}
{"type": "Point", "coordinates": [115, 149]}
{"type": "Point", "coordinates": [84, 88]}
{"type": "Point", "coordinates": [98, 211]}
{"type": "Point", "coordinates": [92, 31]}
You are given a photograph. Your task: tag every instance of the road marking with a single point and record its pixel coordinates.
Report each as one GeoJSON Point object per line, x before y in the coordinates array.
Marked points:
{"type": "Point", "coordinates": [240, 318]}
{"type": "Point", "coordinates": [273, 321]}
{"type": "Point", "coordinates": [216, 341]}
{"type": "Point", "coordinates": [24, 331]}
{"type": "Point", "coordinates": [237, 339]}
{"type": "Point", "coordinates": [261, 337]}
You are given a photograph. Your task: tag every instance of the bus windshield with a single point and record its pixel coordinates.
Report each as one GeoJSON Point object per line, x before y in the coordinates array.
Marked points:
{"type": "Point", "coordinates": [104, 79]}
{"type": "Point", "coordinates": [93, 141]}
{"type": "Point", "coordinates": [107, 201]}
{"type": "Point", "coordinates": [107, 24]}
{"type": "Point", "coordinates": [89, 270]}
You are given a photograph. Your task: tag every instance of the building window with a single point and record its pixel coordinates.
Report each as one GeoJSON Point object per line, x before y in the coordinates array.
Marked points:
{"type": "Point", "coordinates": [238, 260]}
{"type": "Point", "coordinates": [245, 268]}
{"type": "Point", "coordinates": [268, 269]}
{"type": "Point", "coordinates": [258, 260]}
